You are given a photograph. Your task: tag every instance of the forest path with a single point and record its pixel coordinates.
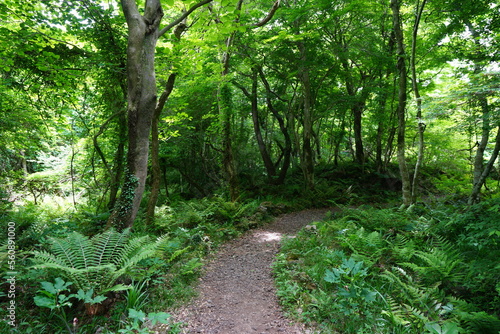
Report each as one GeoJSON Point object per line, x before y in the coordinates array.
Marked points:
{"type": "Point", "coordinates": [237, 293]}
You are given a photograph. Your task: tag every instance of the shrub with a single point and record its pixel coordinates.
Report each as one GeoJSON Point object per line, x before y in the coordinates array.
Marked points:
{"type": "Point", "coordinates": [96, 263]}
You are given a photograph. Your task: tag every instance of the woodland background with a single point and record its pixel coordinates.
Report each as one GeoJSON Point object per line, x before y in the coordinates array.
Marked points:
{"type": "Point", "coordinates": [194, 121]}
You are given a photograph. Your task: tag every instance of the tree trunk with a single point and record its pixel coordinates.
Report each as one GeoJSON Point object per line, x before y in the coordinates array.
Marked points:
{"type": "Point", "coordinates": [287, 151]}
{"type": "Point", "coordinates": [228, 163]}
{"type": "Point", "coordinates": [141, 102]}
{"type": "Point", "coordinates": [418, 99]}
{"type": "Point", "coordinates": [155, 151]}
{"type": "Point", "coordinates": [225, 112]}
{"type": "Point", "coordinates": [481, 146]}
{"type": "Point", "coordinates": [357, 112]}
{"type": "Point", "coordinates": [143, 33]}
{"type": "Point", "coordinates": [402, 99]}
{"type": "Point", "coordinates": [307, 156]}
{"type": "Point", "coordinates": [479, 172]}
{"type": "Point", "coordinates": [479, 182]}
{"type": "Point", "coordinates": [118, 166]}
{"type": "Point", "coordinates": [266, 158]}
{"type": "Point", "coordinates": [271, 170]}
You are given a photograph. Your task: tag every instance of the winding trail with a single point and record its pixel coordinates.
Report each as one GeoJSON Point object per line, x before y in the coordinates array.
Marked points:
{"type": "Point", "coordinates": [237, 292]}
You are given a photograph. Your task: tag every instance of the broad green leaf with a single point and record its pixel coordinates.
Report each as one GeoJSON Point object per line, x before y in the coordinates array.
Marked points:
{"type": "Point", "coordinates": [43, 301]}
{"type": "Point", "coordinates": [137, 315]}
{"type": "Point", "coordinates": [331, 277]}
{"type": "Point", "coordinates": [160, 317]}
{"type": "Point", "coordinates": [61, 285]}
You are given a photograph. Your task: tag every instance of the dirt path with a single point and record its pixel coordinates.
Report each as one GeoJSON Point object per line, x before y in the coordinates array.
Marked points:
{"type": "Point", "coordinates": [237, 293]}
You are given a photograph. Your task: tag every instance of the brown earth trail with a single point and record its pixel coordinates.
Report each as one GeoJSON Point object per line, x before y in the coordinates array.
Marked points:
{"type": "Point", "coordinates": [237, 292]}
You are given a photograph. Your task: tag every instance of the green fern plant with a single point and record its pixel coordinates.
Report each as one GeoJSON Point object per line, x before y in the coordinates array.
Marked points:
{"type": "Point", "coordinates": [438, 264]}
{"type": "Point", "coordinates": [367, 246]}
{"type": "Point", "coordinates": [98, 262]}
{"type": "Point", "coordinates": [413, 304]}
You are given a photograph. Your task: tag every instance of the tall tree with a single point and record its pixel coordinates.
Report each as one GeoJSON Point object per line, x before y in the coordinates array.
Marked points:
{"type": "Point", "coordinates": [419, 8]}
{"type": "Point", "coordinates": [143, 33]}
{"type": "Point", "coordinates": [402, 100]}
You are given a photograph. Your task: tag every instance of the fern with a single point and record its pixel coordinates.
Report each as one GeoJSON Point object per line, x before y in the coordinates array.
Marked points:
{"type": "Point", "coordinates": [368, 245]}
{"type": "Point", "coordinates": [438, 264]}
{"type": "Point", "coordinates": [74, 251]}
{"type": "Point", "coordinates": [108, 246]}
{"type": "Point", "coordinates": [480, 323]}
{"type": "Point", "coordinates": [415, 303]}
{"type": "Point", "coordinates": [403, 248]}
{"type": "Point", "coordinates": [99, 262]}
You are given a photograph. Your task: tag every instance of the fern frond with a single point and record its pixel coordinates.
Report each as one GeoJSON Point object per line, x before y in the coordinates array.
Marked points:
{"type": "Point", "coordinates": [75, 250]}
{"type": "Point", "coordinates": [44, 257]}
{"type": "Point", "coordinates": [108, 246]}
{"type": "Point", "coordinates": [134, 246]}
{"type": "Point", "coordinates": [438, 264]}
{"type": "Point", "coordinates": [403, 248]}
{"type": "Point", "coordinates": [133, 257]}
{"type": "Point", "coordinates": [98, 262]}
{"type": "Point", "coordinates": [480, 322]}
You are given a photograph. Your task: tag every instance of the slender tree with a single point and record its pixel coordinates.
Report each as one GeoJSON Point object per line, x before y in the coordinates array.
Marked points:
{"type": "Point", "coordinates": [402, 100]}
{"type": "Point", "coordinates": [418, 99]}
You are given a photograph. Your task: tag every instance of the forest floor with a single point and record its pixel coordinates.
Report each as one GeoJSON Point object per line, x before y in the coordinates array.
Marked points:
{"type": "Point", "coordinates": [237, 293]}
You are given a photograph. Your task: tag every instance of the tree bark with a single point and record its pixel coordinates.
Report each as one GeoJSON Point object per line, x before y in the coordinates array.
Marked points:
{"type": "Point", "coordinates": [228, 163]}
{"type": "Point", "coordinates": [402, 100]}
{"type": "Point", "coordinates": [485, 135]}
{"type": "Point", "coordinates": [307, 156]}
{"type": "Point", "coordinates": [479, 172]}
{"type": "Point", "coordinates": [143, 34]}
{"type": "Point", "coordinates": [225, 106]}
{"type": "Point", "coordinates": [287, 151]}
{"type": "Point", "coordinates": [357, 109]}
{"type": "Point", "coordinates": [118, 166]}
{"type": "Point", "coordinates": [155, 151]}
{"type": "Point", "coordinates": [418, 100]}
{"type": "Point", "coordinates": [266, 158]}
{"type": "Point", "coordinates": [141, 102]}
{"type": "Point", "coordinates": [479, 182]}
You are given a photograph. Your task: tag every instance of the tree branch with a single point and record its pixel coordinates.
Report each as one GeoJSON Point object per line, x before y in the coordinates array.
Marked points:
{"type": "Point", "coordinates": [183, 16]}
{"type": "Point", "coordinates": [269, 15]}
{"type": "Point", "coordinates": [129, 8]}
{"type": "Point", "coordinates": [243, 89]}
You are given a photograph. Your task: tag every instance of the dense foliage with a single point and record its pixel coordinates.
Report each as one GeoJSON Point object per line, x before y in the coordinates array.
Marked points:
{"type": "Point", "coordinates": [191, 121]}
{"type": "Point", "coordinates": [421, 270]}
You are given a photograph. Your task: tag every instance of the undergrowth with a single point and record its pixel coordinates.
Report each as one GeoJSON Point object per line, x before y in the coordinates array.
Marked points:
{"type": "Point", "coordinates": [421, 270]}
{"type": "Point", "coordinates": [73, 277]}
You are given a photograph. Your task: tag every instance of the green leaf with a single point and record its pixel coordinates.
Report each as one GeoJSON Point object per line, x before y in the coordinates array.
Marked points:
{"type": "Point", "coordinates": [368, 296]}
{"type": "Point", "coordinates": [61, 285]}
{"type": "Point", "coordinates": [117, 287]}
{"type": "Point", "coordinates": [48, 288]}
{"type": "Point", "coordinates": [86, 297]}
{"type": "Point", "coordinates": [63, 300]}
{"type": "Point", "coordinates": [54, 289]}
{"type": "Point", "coordinates": [450, 328]}
{"type": "Point", "coordinates": [331, 277]}
{"type": "Point", "coordinates": [446, 328]}
{"type": "Point", "coordinates": [43, 301]}
{"type": "Point", "coordinates": [136, 315]}
{"type": "Point", "coordinates": [160, 317]}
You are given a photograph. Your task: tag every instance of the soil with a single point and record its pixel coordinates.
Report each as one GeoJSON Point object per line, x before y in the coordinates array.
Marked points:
{"type": "Point", "coordinates": [237, 293]}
